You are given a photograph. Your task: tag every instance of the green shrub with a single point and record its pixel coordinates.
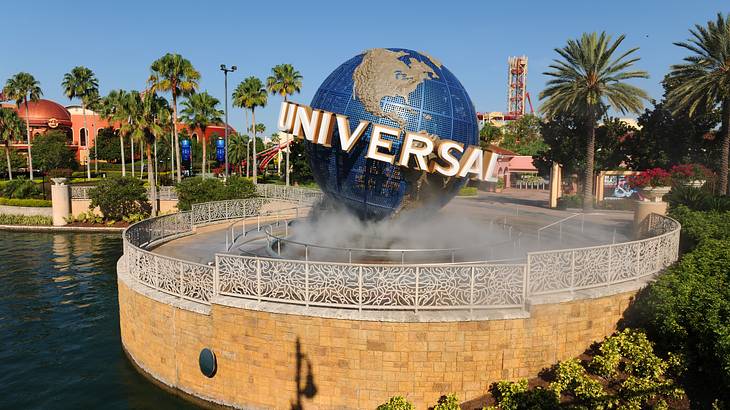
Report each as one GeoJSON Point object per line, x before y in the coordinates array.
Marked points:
{"type": "Point", "coordinates": [468, 191]}
{"type": "Point", "coordinates": [120, 197]}
{"type": "Point", "coordinates": [196, 190]}
{"type": "Point", "coordinates": [25, 202]}
{"type": "Point", "coordinates": [697, 199]}
{"type": "Point", "coordinates": [21, 188]}
{"type": "Point", "coordinates": [36, 220]}
{"type": "Point", "coordinates": [623, 373]}
{"type": "Point", "coordinates": [447, 402]}
{"type": "Point", "coordinates": [687, 310]}
{"type": "Point", "coordinates": [698, 226]}
{"type": "Point", "coordinates": [570, 201]}
{"type": "Point", "coordinates": [86, 217]}
{"type": "Point", "coordinates": [396, 403]}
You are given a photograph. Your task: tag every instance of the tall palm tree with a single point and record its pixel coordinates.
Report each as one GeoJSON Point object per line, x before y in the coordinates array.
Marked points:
{"type": "Point", "coordinates": [144, 126]}
{"type": "Point", "coordinates": [250, 94]}
{"type": "Point", "coordinates": [10, 126]}
{"type": "Point", "coordinates": [81, 83]}
{"type": "Point", "coordinates": [93, 102]}
{"type": "Point", "coordinates": [586, 81]}
{"type": "Point", "coordinates": [237, 146]}
{"type": "Point", "coordinates": [176, 74]}
{"type": "Point", "coordinates": [112, 109]}
{"type": "Point", "coordinates": [703, 81]}
{"type": "Point", "coordinates": [285, 81]}
{"type": "Point", "coordinates": [23, 87]}
{"type": "Point", "coordinates": [199, 111]}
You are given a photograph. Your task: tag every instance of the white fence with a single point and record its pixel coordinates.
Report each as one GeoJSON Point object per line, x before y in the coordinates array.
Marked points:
{"type": "Point", "coordinates": [377, 286]}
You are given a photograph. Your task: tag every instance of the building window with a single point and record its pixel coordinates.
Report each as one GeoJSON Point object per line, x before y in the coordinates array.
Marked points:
{"type": "Point", "coordinates": [82, 137]}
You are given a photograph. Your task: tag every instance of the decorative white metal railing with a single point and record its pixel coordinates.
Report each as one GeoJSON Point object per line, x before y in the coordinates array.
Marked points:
{"type": "Point", "coordinates": [164, 193]}
{"type": "Point", "coordinates": [366, 286]}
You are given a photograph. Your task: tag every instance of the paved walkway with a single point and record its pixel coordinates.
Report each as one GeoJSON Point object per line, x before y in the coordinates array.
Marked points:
{"type": "Point", "coordinates": [525, 210]}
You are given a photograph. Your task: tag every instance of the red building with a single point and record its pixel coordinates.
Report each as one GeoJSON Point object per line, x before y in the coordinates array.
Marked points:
{"type": "Point", "coordinates": [45, 115]}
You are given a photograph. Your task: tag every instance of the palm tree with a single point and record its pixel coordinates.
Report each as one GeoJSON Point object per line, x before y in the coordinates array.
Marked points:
{"type": "Point", "coordinates": [94, 102]}
{"type": "Point", "coordinates": [112, 109]}
{"type": "Point", "coordinates": [248, 95]}
{"type": "Point", "coordinates": [23, 87]}
{"type": "Point", "coordinates": [585, 81]}
{"type": "Point", "coordinates": [237, 146]}
{"type": "Point", "coordinates": [703, 81]}
{"type": "Point", "coordinates": [177, 75]}
{"type": "Point", "coordinates": [81, 83]}
{"type": "Point", "coordinates": [144, 126]}
{"type": "Point", "coordinates": [200, 110]}
{"type": "Point", "coordinates": [10, 125]}
{"type": "Point", "coordinates": [285, 81]}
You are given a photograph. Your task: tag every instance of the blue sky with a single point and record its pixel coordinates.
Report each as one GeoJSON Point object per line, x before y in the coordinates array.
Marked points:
{"type": "Point", "coordinates": [119, 40]}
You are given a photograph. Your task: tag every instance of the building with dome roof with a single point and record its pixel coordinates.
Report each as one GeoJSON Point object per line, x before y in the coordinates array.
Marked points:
{"type": "Point", "coordinates": [45, 115]}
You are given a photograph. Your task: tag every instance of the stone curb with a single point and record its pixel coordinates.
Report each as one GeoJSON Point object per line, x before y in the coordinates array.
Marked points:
{"type": "Point", "coordinates": [46, 228]}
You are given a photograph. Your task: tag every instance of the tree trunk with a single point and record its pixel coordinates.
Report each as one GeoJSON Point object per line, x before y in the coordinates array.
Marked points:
{"type": "Point", "coordinates": [141, 159]}
{"type": "Point", "coordinates": [588, 174]}
{"type": "Point", "coordinates": [124, 164]}
{"type": "Point", "coordinates": [7, 157]}
{"type": "Point", "coordinates": [131, 142]}
{"type": "Point", "coordinates": [96, 154]}
{"type": "Point", "coordinates": [174, 131]}
{"type": "Point", "coordinates": [725, 147]}
{"type": "Point", "coordinates": [151, 180]}
{"type": "Point", "coordinates": [86, 143]}
{"type": "Point", "coordinates": [255, 170]}
{"type": "Point", "coordinates": [27, 128]}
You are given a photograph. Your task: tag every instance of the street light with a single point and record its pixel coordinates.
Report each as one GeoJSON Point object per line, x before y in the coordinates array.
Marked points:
{"type": "Point", "coordinates": [225, 70]}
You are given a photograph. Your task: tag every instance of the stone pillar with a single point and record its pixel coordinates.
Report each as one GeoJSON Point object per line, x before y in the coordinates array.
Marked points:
{"type": "Point", "coordinates": [643, 210]}
{"type": "Point", "coordinates": [556, 179]}
{"type": "Point", "coordinates": [61, 201]}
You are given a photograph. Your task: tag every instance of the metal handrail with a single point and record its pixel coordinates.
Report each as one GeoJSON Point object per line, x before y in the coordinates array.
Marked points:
{"type": "Point", "coordinates": [385, 287]}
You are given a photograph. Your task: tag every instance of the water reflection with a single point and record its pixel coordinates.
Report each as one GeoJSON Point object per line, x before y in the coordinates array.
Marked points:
{"type": "Point", "coordinates": [59, 327]}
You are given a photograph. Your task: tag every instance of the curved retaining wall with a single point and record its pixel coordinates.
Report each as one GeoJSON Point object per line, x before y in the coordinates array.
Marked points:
{"type": "Point", "coordinates": [355, 364]}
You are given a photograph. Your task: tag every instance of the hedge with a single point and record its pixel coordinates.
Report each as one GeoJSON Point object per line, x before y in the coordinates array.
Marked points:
{"type": "Point", "coordinates": [36, 220]}
{"type": "Point", "coordinates": [25, 202]}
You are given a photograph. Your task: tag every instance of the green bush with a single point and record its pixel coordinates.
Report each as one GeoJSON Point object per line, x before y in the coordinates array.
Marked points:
{"type": "Point", "coordinates": [196, 190]}
{"type": "Point", "coordinates": [697, 199]}
{"type": "Point", "coordinates": [570, 201]}
{"type": "Point", "coordinates": [623, 373]}
{"type": "Point", "coordinates": [25, 202]}
{"type": "Point", "coordinates": [396, 403]}
{"type": "Point", "coordinates": [687, 310]}
{"type": "Point", "coordinates": [21, 188]}
{"type": "Point", "coordinates": [36, 220]}
{"type": "Point", "coordinates": [50, 151]}
{"type": "Point", "coordinates": [120, 197]}
{"type": "Point", "coordinates": [447, 402]}
{"type": "Point", "coordinates": [698, 226]}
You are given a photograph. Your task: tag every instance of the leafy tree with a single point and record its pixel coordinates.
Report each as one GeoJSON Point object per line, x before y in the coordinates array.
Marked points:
{"type": "Point", "coordinates": [199, 111]}
{"type": "Point", "coordinates": [120, 197]}
{"type": "Point", "coordinates": [196, 190]}
{"type": "Point", "coordinates": [52, 151]}
{"type": "Point", "coordinates": [584, 82]}
{"type": "Point", "coordinates": [703, 81]}
{"type": "Point", "coordinates": [284, 81]}
{"type": "Point", "coordinates": [107, 147]}
{"type": "Point", "coordinates": [11, 127]}
{"type": "Point", "coordinates": [23, 87]}
{"type": "Point", "coordinates": [176, 74]}
{"type": "Point", "coordinates": [251, 94]}
{"type": "Point", "coordinates": [301, 172]}
{"type": "Point", "coordinates": [522, 136]}
{"type": "Point", "coordinates": [81, 83]}
{"type": "Point", "coordinates": [489, 134]}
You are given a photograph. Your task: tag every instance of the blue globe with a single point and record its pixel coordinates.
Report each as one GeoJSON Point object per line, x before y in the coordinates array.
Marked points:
{"type": "Point", "coordinates": [403, 89]}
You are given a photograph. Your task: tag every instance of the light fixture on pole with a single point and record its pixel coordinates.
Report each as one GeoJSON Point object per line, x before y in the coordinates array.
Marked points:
{"type": "Point", "coordinates": [225, 70]}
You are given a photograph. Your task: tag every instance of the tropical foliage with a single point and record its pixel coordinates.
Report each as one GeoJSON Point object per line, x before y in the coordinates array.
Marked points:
{"type": "Point", "coordinates": [52, 151]}
{"type": "Point", "coordinates": [584, 81]}
{"type": "Point", "coordinates": [119, 197]}
{"type": "Point", "coordinates": [702, 82]}
{"type": "Point", "coordinates": [81, 83]}
{"type": "Point", "coordinates": [11, 128]}
{"type": "Point", "coordinates": [199, 111]}
{"type": "Point", "coordinates": [251, 94]}
{"type": "Point", "coordinates": [23, 87]}
{"type": "Point", "coordinates": [196, 190]}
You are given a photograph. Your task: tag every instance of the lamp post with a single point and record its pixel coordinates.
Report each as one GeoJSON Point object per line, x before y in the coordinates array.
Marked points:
{"type": "Point", "coordinates": [225, 70]}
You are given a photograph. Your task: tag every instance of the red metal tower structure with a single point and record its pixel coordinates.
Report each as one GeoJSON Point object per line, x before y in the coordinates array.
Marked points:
{"type": "Point", "coordinates": [517, 86]}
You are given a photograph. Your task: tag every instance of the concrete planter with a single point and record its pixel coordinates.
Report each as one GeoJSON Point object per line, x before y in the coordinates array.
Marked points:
{"type": "Point", "coordinates": [655, 194]}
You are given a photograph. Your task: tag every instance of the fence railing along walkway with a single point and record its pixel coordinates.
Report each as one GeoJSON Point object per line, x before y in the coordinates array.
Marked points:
{"type": "Point", "coordinates": [372, 286]}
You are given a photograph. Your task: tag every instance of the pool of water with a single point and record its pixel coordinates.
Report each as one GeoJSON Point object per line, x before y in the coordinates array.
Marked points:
{"type": "Point", "coordinates": [59, 327]}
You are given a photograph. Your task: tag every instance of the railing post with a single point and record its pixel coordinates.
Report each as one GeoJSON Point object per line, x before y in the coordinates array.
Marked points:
{"type": "Point", "coordinates": [415, 301]}
{"type": "Point", "coordinates": [306, 253]}
{"type": "Point", "coordinates": [359, 288]}
{"type": "Point", "coordinates": [572, 271]}
{"type": "Point", "coordinates": [471, 290]}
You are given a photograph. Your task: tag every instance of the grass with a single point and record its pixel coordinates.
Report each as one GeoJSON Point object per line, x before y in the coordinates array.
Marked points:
{"type": "Point", "coordinates": [24, 220]}
{"type": "Point", "coordinates": [25, 202]}
{"type": "Point", "coordinates": [468, 191]}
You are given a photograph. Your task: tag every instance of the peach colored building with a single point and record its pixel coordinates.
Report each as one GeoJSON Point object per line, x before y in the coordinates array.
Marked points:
{"type": "Point", "coordinates": [45, 115]}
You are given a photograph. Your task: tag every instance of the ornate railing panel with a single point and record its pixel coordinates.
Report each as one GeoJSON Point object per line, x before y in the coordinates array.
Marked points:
{"type": "Point", "coordinates": [377, 286]}
{"type": "Point", "coordinates": [164, 193]}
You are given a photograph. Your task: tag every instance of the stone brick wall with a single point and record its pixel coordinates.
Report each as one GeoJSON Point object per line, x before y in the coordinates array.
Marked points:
{"type": "Point", "coordinates": [354, 364]}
